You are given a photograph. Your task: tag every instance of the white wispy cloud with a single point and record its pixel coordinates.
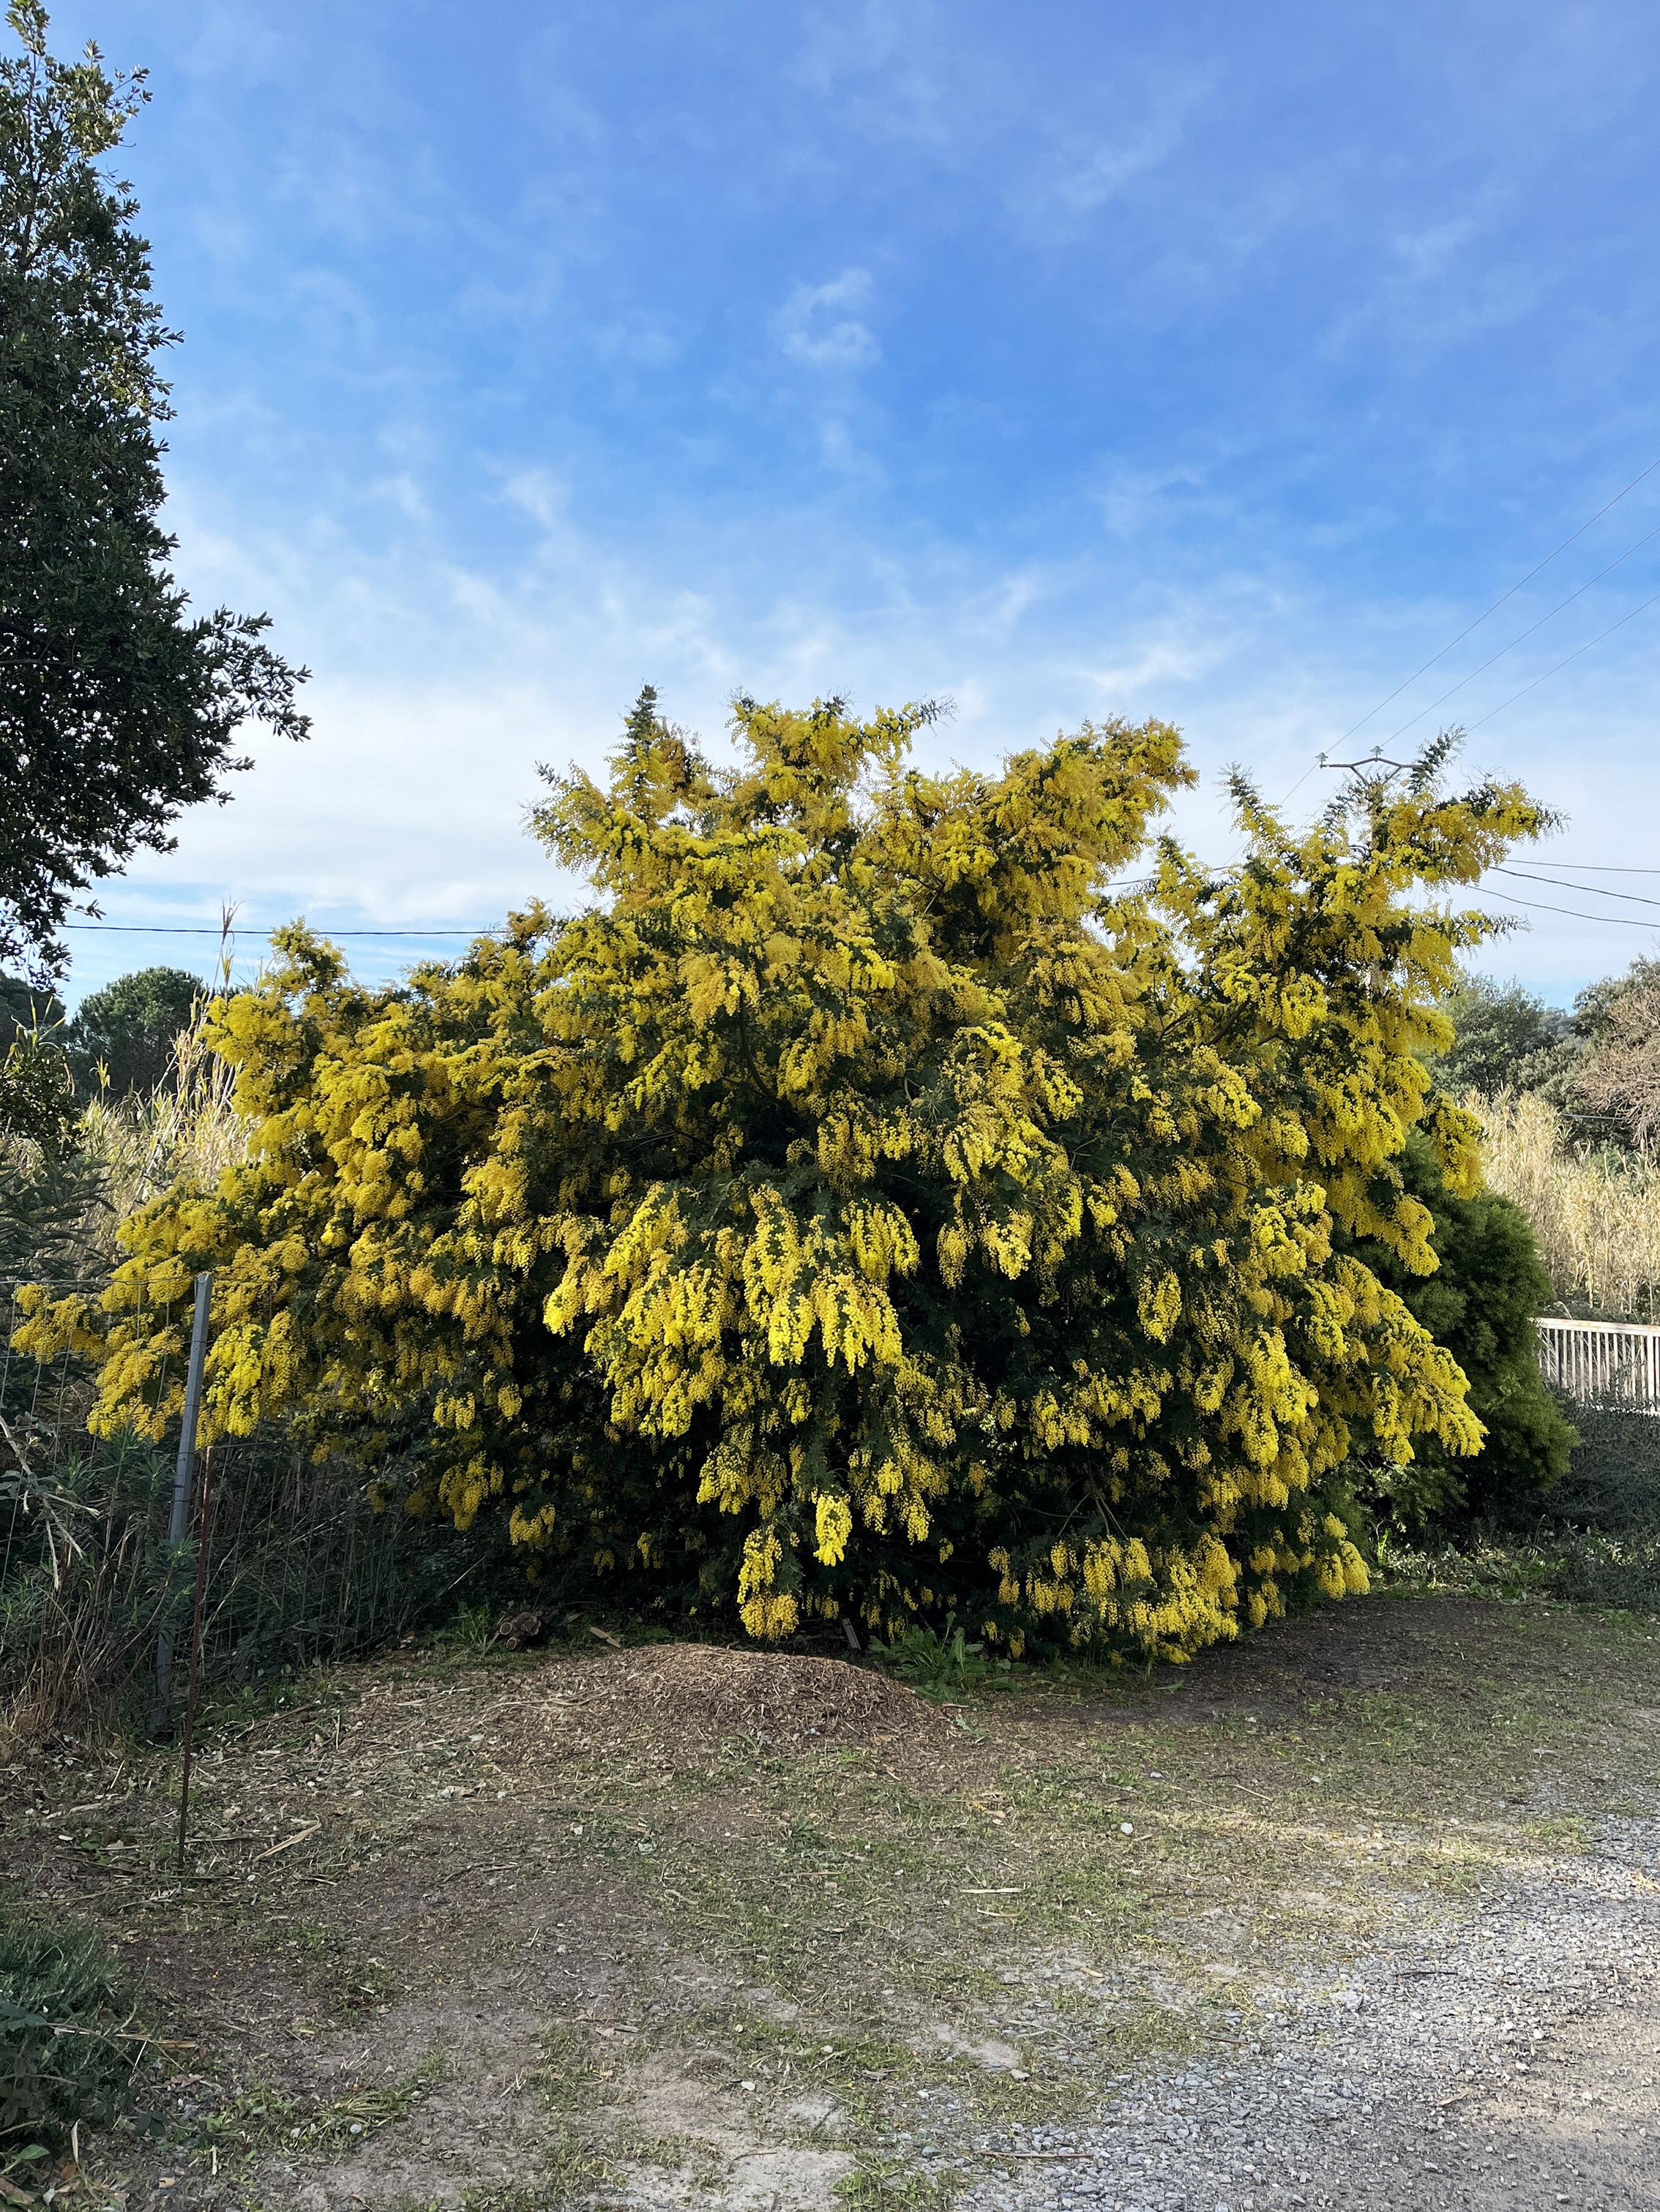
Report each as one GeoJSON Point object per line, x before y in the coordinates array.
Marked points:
{"type": "Point", "coordinates": [821, 325]}
{"type": "Point", "coordinates": [1090, 171]}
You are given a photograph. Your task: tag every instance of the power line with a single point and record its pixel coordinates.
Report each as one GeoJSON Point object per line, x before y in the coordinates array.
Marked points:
{"type": "Point", "coordinates": [1562, 883]}
{"type": "Point", "coordinates": [1497, 603]}
{"type": "Point", "coordinates": [495, 929]}
{"type": "Point", "coordinates": [1599, 868]}
{"type": "Point", "coordinates": [1295, 787]}
{"type": "Point", "coordinates": [1615, 920]}
{"type": "Point", "coordinates": [1521, 639]}
{"type": "Point", "coordinates": [173, 929]}
{"type": "Point", "coordinates": [1562, 665]}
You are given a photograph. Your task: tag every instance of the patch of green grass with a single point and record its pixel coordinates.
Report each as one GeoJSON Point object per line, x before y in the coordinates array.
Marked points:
{"type": "Point", "coordinates": [1133, 2035]}
{"type": "Point", "coordinates": [672, 2155]}
{"type": "Point", "coordinates": [349, 1981]}
{"type": "Point", "coordinates": [263, 2118]}
{"type": "Point", "coordinates": [576, 2065]}
{"type": "Point", "coordinates": [572, 2164]}
{"type": "Point", "coordinates": [791, 2057]}
{"type": "Point", "coordinates": [1567, 1834]}
{"type": "Point", "coordinates": [470, 1632]}
{"type": "Point", "coordinates": [569, 2170]}
{"type": "Point", "coordinates": [881, 2185]}
{"type": "Point", "coordinates": [308, 1694]}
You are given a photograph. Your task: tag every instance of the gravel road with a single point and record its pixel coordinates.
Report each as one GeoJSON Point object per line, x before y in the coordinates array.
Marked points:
{"type": "Point", "coordinates": [1511, 2060]}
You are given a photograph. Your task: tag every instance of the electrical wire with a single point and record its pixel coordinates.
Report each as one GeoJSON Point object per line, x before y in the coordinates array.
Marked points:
{"type": "Point", "coordinates": [1560, 665]}
{"type": "Point", "coordinates": [1562, 883]}
{"type": "Point", "coordinates": [1533, 906]}
{"type": "Point", "coordinates": [1497, 603]}
{"type": "Point", "coordinates": [1295, 787]}
{"type": "Point", "coordinates": [173, 929]}
{"type": "Point", "coordinates": [1521, 639]}
{"type": "Point", "coordinates": [1135, 883]}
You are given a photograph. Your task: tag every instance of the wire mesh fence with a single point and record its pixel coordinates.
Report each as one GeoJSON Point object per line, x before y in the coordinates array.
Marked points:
{"type": "Point", "coordinates": [302, 1567]}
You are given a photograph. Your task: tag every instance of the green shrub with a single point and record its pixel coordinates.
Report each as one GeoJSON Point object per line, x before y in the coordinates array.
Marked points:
{"type": "Point", "coordinates": [1593, 1539]}
{"type": "Point", "coordinates": [1613, 1480]}
{"type": "Point", "coordinates": [1482, 1303]}
{"type": "Point", "coordinates": [68, 2050]}
{"type": "Point", "coordinates": [1601, 1524]}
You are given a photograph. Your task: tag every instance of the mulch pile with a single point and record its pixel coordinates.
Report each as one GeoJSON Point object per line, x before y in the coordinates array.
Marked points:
{"type": "Point", "coordinates": [707, 1694]}
{"type": "Point", "coordinates": [683, 1702]}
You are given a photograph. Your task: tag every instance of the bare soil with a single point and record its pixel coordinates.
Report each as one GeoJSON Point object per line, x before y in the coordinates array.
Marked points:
{"type": "Point", "coordinates": [687, 1926]}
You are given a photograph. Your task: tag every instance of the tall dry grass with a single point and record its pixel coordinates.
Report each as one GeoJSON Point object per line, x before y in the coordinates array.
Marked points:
{"type": "Point", "coordinates": [86, 1580]}
{"type": "Point", "coordinates": [183, 1133]}
{"type": "Point", "coordinates": [1596, 1214]}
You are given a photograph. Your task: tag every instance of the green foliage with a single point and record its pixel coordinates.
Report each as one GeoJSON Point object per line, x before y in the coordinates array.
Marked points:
{"type": "Point", "coordinates": [1600, 1526]}
{"type": "Point", "coordinates": [1482, 1303]}
{"type": "Point", "coordinates": [47, 1182]}
{"type": "Point", "coordinates": [1593, 1538]}
{"type": "Point", "coordinates": [46, 1193]}
{"type": "Point", "coordinates": [1613, 1481]}
{"type": "Point", "coordinates": [27, 1008]}
{"type": "Point", "coordinates": [1503, 1038]}
{"type": "Point", "coordinates": [123, 1037]}
{"type": "Point", "coordinates": [472, 1629]}
{"type": "Point", "coordinates": [37, 1094]}
{"type": "Point", "coordinates": [942, 1665]}
{"type": "Point", "coordinates": [89, 1579]}
{"type": "Point", "coordinates": [66, 2049]}
{"type": "Point", "coordinates": [116, 707]}
{"type": "Point", "coordinates": [865, 1206]}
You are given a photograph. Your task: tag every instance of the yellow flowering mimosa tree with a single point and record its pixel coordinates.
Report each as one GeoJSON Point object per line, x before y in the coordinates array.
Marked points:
{"type": "Point", "coordinates": [870, 1205]}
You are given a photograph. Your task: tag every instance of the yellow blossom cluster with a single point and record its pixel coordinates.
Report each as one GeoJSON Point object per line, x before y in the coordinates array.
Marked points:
{"type": "Point", "coordinates": [868, 1205]}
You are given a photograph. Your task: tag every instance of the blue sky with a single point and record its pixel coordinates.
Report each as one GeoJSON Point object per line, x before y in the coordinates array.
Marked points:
{"type": "Point", "coordinates": [1216, 363]}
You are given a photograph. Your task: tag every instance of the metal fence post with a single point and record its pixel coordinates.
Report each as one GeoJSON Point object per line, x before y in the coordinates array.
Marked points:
{"type": "Point", "coordinates": [183, 1477]}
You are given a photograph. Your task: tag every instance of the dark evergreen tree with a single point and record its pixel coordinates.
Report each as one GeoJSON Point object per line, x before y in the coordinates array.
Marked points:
{"type": "Point", "coordinates": [25, 1008]}
{"type": "Point", "coordinates": [1483, 1305]}
{"type": "Point", "coordinates": [122, 1039]}
{"type": "Point", "coordinates": [117, 707]}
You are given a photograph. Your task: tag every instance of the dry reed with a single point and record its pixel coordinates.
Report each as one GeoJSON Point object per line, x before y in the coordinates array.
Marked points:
{"type": "Point", "coordinates": [185, 1132]}
{"type": "Point", "coordinates": [83, 1585]}
{"type": "Point", "coordinates": [1596, 1215]}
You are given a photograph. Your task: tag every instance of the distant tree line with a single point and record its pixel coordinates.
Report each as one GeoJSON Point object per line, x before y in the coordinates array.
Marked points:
{"type": "Point", "coordinates": [120, 1041]}
{"type": "Point", "coordinates": [1599, 1066]}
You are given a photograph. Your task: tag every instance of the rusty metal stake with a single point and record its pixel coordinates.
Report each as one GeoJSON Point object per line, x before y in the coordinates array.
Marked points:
{"type": "Point", "coordinates": [183, 1481]}
{"type": "Point", "coordinates": [196, 1646]}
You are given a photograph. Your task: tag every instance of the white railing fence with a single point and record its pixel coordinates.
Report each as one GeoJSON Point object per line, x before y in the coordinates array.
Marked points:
{"type": "Point", "coordinates": [1599, 1359]}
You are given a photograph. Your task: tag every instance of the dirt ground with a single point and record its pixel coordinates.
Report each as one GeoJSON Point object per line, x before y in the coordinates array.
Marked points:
{"type": "Point", "coordinates": [1363, 1912]}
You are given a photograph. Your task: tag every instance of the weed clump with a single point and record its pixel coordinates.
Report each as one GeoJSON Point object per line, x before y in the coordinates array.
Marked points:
{"type": "Point", "coordinates": [945, 1665]}
{"type": "Point", "coordinates": [68, 2049]}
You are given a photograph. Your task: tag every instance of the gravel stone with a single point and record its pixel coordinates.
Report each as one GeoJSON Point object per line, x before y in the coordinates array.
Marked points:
{"type": "Point", "coordinates": [1507, 2061]}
